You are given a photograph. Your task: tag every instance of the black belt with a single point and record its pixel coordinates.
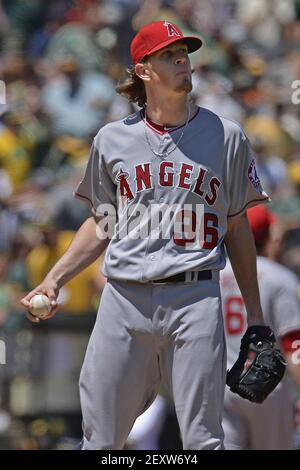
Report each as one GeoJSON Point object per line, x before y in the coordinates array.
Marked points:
{"type": "Point", "coordinates": [184, 277]}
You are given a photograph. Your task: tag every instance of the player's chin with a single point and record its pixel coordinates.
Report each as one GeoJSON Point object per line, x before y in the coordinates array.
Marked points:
{"type": "Point", "coordinates": [184, 84]}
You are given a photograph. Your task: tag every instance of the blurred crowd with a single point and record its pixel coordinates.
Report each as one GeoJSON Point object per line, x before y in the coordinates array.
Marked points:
{"type": "Point", "coordinates": [59, 64]}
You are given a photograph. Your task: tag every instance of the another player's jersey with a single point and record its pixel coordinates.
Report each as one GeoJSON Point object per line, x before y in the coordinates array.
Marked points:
{"type": "Point", "coordinates": [279, 298]}
{"type": "Point", "coordinates": [171, 211]}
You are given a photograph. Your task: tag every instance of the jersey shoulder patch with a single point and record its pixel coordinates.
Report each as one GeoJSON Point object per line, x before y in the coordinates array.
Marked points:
{"type": "Point", "coordinates": [253, 176]}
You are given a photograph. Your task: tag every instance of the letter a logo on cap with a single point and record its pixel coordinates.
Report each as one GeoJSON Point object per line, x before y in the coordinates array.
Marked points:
{"type": "Point", "coordinates": [172, 31]}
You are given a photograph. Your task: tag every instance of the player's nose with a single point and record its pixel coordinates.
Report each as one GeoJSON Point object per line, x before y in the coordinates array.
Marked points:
{"type": "Point", "coordinates": [180, 60]}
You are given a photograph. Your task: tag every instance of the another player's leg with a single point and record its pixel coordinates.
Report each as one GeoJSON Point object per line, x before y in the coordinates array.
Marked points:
{"type": "Point", "coordinates": [235, 424]}
{"type": "Point", "coordinates": [271, 423]}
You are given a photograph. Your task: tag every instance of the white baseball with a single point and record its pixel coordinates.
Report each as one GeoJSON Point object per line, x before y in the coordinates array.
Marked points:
{"type": "Point", "coordinates": [40, 305]}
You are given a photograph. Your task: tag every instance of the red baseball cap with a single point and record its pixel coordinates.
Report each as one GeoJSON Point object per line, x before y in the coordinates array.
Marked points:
{"type": "Point", "coordinates": [155, 36]}
{"type": "Point", "coordinates": [260, 219]}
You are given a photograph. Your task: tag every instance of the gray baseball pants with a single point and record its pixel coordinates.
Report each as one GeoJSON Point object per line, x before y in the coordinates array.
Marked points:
{"type": "Point", "coordinates": [149, 335]}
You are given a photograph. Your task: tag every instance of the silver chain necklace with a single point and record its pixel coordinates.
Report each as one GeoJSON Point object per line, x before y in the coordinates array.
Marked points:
{"type": "Point", "coordinates": [165, 154]}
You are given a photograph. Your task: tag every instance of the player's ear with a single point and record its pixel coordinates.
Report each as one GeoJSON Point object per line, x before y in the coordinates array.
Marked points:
{"type": "Point", "coordinates": [142, 70]}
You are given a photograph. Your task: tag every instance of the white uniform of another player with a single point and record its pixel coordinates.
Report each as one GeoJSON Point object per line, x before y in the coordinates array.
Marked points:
{"type": "Point", "coordinates": [146, 430]}
{"type": "Point", "coordinates": [269, 425]}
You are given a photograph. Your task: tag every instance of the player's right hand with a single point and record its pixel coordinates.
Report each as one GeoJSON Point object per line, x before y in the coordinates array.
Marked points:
{"type": "Point", "coordinates": [48, 287]}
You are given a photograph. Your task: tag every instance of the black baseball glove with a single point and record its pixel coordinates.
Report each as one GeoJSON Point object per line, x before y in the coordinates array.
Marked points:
{"type": "Point", "coordinates": [259, 367]}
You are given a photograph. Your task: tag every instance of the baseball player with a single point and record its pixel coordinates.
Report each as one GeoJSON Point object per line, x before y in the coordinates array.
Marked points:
{"type": "Point", "coordinates": [176, 180]}
{"type": "Point", "coordinates": [267, 426]}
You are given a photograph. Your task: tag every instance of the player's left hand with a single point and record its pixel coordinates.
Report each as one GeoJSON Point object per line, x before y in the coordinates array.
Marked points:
{"type": "Point", "coordinates": [259, 367]}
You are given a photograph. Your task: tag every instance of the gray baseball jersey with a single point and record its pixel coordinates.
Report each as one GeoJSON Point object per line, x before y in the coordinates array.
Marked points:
{"type": "Point", "coordinates": [212, 168]}
{"type": "Point", "coordinates": [269, 425]}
